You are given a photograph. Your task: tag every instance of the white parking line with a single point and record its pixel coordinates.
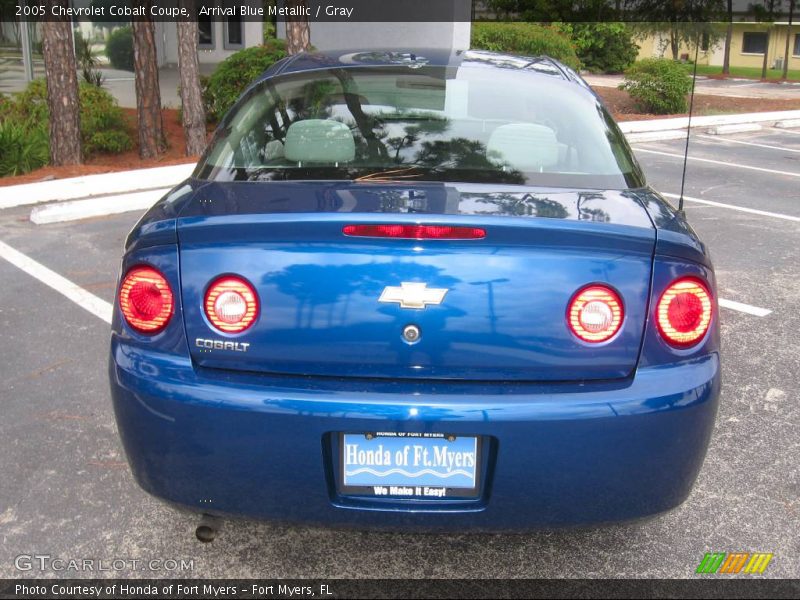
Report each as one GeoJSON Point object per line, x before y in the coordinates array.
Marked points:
{"type": "Point", "coordinates": [720, 162]}
{"type": "Point", "coordinates": [768, 146]}
{"type": "Point", "coordinates": [86, 300]}
{"type": "Point", "coordinates": [752, 211]}
{"type": "Point", "coordinates": [745, 308]}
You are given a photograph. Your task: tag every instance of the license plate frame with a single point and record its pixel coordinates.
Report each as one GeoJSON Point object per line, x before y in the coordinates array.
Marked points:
{"type": "Point", "coordinates": [412, 477]}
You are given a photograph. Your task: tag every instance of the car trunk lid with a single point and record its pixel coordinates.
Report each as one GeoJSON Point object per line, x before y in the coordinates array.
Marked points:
{"type": "Point", "coordinates": [492, 308]}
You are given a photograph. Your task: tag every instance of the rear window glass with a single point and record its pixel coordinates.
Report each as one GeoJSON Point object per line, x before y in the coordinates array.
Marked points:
{"type": "Point", "coordinates": [469, 124]}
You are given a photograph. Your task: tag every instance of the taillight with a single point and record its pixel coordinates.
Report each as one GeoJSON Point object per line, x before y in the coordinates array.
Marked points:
{"type": "Point", "coordinates": [415, 232]}
{"type": "Point", "coordinates": [145, 300]}
{"type": "Point", "coordinates": [231, 304]}
{"type": "Point", "coordinates": [684, 312]}
{"type": "Point", "coordinates": [595, 313]}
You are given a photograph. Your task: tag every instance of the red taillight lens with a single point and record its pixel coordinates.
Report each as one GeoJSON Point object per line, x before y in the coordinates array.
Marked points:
{"type": "Point", "coordinates": [595, 313]}
{"type": "Point", "coordinates": [415, 232]}
{"type": "Point", "coordinates": [231, 304]}
{"type": "Point", "coordinates": [145, 300]}
{"type": "Point", "coordinates": [684, 312]}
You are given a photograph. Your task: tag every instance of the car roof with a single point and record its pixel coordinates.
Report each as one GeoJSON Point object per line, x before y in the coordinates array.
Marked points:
{"type": "Point", "coordinates": [419, 57]}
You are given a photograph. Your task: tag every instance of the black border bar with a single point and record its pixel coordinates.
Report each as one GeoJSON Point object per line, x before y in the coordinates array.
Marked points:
{"type": "Point", "coordinates": [370, 11]}
{"type": "Point", "coordinates": [701, 587]}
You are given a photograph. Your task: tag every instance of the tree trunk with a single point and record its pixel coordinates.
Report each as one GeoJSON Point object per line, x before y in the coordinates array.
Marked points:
{"type": "Point", "coordinates": [62, 91]}
{"type": "Point", "coordinates": [674, 42]}
{"type": "Point", "coordinates": [193, 114]}
{"type": "Point", "coordinates": [726, 61]}
{"type": "Point", "coordinates": [298, 34]}
{"type": "Point", "coordinates": [786, 53]}
{"type": "Point", "coordinates": [148, 94]}
{"type": "Point", "coordinates": [766, 58]}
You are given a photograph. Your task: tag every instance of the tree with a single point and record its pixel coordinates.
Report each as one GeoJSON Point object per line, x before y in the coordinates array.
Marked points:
{"type": "Point", "coordinates": [726, 61]}
{"type": "Point", "coordinates": [148, 93]}
{"type": "Point", "coordinates": [298, 34]}
{"type": "Point", "coordinates": [62, 90]}
{"type": "Point", "coordinates": [193, 114]}
{"type": "Point", "coordinates": [575, 11]}
{"type": "Point", "coordinates": [766, 12]}
{"type": "Point", "coordinates": [686, 22]}
{"type": "Point", "coordinates": [785, 73]}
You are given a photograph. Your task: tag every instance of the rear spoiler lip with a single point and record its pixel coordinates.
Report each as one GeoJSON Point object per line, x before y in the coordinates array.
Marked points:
{"type": "Point", "coordinates": [426, 200]}
{"type": "Point", "coordinates": [328, 227]}
{"type": "Point", "coordinates": [674, 236]}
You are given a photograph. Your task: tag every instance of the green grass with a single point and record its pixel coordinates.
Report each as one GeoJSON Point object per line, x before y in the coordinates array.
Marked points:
{"type": "Point", "coordinates": [745, 72]}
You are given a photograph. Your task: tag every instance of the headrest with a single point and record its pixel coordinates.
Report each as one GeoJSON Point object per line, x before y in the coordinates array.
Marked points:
{"type": "Point", "coordinates": [319, 141]}
{"type": "Point", "coordinates": [524, 146]}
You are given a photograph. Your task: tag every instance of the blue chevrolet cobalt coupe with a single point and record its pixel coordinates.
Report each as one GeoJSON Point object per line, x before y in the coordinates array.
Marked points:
{"type": "Point", "coordinates": [416, 290]}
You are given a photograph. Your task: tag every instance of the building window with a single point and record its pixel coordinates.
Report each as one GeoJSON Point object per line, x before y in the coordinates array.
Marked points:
{"type": "Point", "coordinates": [754, 42]}
{"type": "Point", "coordinates": [234, 33]}
{"type": "Point", "coordinates": [796, 50]}
{"type": "Point", "coordinates": [205, 32]}
{"type": "Point", "coordinates": [704, 41]}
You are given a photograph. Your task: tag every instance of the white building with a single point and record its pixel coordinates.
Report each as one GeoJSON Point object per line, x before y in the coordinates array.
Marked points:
{"type": "Point", "coordinates": [217, 39]}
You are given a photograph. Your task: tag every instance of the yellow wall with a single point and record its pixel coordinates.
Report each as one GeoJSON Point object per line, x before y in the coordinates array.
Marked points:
{"type": "Point", "coordinates": [651, 46]}
{"type": "Point", "coordinates": [646, 47]}
{"type": "Point", "coordinates": [777, 45]}
{"type": "Point", "coordinates": [659, 46]}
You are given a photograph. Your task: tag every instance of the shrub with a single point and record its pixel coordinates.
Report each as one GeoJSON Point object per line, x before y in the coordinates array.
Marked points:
{"type": "Point", "coordinates": [22, 149]}
{"type": "Point", "coordinates": [119, 48]}
{"type": "Point", "coordinates": [658, 85]}
{"type": "Point", "coordinates": [104, 127]}
{"type": "Point", "coordinates": [269, 31]}
{"type": "Point", "coordinates": [29, 107]}
{"type": "Point", "coordinates": [604, 47]}
{"type": "Point", "coordinates": [112, 141]}
{"type": "Point", "coordinates": [236, 72]}
{"type": "Point", "coordinates": [528, 39]}
{"type": "Point", "coordinates": [5, 106]}
{"type": "Point", "coordinates": [87, 60]}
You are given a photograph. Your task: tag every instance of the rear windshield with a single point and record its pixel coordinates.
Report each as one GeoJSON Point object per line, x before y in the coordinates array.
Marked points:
{"type": "Point", "coordinates": [466, 124]}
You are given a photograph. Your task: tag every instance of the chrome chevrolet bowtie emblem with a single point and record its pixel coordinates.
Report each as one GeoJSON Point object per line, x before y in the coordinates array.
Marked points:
{"type": "Point", "coordinates": [412, 295]}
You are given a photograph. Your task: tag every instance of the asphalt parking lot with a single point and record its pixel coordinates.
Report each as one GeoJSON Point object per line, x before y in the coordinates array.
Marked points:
{"type": "Point", "coordinates": [67, 491]}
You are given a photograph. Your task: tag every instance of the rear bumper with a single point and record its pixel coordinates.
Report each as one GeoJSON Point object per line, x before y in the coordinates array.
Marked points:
{"type": "Point", "coordinates": [557, 454]}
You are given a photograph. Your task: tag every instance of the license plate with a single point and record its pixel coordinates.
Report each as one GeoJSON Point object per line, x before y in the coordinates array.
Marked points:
{"type": "Point", "coordinates": [409, 465]}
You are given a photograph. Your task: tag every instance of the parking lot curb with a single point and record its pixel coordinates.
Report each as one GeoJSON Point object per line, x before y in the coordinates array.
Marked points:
{"type": "Point", "coordinates": [672, 128]}
{"type": "Point", "coordinates": [88, 186]}
{"type": "Point", "coordinates": [58, 212]}
{"type": "Point", "coordinates": [735, 128]}
{"type": "Point", "coordinates": [656, 136]}
{"type": "Point", "coordinates": [787, 124]}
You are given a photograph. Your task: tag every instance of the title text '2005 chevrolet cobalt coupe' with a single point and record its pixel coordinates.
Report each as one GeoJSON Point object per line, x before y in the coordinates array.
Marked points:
{"type": "Point", "coordinates": [413, 290]}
